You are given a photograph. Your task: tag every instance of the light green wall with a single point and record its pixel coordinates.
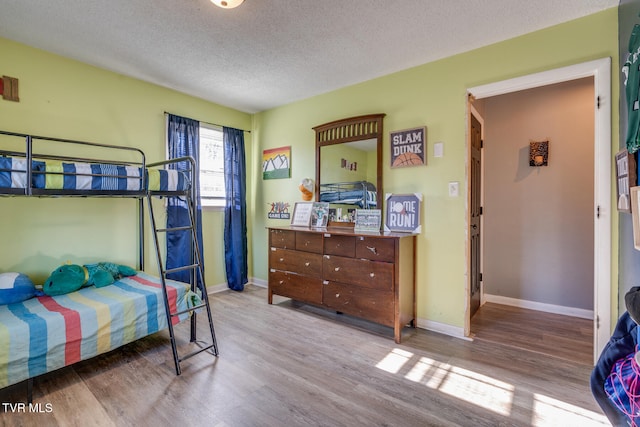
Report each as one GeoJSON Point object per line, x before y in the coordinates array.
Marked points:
{"type": "Point", "coordinates": [332, 171]}
{"type": "Point", "coordinates": [64, 98]}
{"type": "Point", "coordinates": [432, 95]}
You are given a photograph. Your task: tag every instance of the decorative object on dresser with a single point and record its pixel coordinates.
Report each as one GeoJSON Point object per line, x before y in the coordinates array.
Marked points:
{"type": "Point", "coordinates": [366, 275]}
{"type": "Point", "coordinates": [403, 212]}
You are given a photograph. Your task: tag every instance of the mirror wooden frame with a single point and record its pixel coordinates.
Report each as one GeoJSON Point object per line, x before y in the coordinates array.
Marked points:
{"type": "Point", "coordinates": [349, 130]}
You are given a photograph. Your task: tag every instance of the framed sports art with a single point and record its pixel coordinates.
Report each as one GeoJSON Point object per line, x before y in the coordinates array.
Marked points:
{"type": "Point", "coordinates": [408, 147]}
{"type": "Point", "coordinates": [403, 213]}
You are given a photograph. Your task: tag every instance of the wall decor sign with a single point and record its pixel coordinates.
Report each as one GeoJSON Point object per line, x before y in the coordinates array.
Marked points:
{"type": "Point", "coordinates": [279, 210]}
{"type": "Point", "coordinates": [276, 163]}
{"type": "Point", "coordinates": [408, 147]}
{"type": "Point", "coordinates": [403, 212]}
{"type": "Point", "coordinates": [626, 178]}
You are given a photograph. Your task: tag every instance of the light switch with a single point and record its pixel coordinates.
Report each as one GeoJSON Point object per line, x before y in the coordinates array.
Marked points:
{"type": "Point", "coordinates": [453, 189]}
{"type": "Point", "coordinates": [438, 150]}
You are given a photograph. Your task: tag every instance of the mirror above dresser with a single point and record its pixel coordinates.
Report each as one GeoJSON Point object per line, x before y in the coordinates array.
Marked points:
{"type": "Point", "coordinates": [349, 165]}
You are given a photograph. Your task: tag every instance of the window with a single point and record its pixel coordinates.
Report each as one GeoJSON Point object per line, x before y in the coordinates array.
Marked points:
{"type": "Point", "coordinates": [211, 166]}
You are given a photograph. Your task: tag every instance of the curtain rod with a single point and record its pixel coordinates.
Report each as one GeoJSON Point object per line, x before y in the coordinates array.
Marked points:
{"type": "Point", "coordinates": [202, 121]}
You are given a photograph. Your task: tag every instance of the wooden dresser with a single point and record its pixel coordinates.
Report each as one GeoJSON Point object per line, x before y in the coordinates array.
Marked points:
{"type": "Point", "coordinates": [367, 275]}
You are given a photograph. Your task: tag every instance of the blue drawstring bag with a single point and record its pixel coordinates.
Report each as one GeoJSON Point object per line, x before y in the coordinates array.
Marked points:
{"type": "Point", "coordinates": [623, 385]}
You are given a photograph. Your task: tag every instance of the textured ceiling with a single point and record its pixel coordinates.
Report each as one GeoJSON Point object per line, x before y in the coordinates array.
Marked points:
{"type": "Point", "coordinates": [267, 53]}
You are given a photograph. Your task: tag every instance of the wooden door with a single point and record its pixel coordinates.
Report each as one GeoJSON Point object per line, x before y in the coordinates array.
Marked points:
{"type": "Point", "coordinates": [475, 211]}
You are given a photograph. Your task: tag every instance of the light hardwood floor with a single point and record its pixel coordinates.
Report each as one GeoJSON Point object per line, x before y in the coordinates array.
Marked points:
{"type": "Point", "coordinates": [292, 365]}
{"type": "Point", "coordinates": [566, 337]}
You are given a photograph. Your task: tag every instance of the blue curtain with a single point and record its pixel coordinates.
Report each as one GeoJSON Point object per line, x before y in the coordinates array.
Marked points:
{"type": "Point", "coordinates": [235, 211]}
{"type": "Point", "coordinates": [183, 136]}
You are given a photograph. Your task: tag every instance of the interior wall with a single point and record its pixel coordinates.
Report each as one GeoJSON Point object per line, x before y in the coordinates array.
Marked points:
{"type": "Point", "coordinates": [431, 95]}
{"type": "Point", "coordinates": [538, 221]}
{"type": "Point", "coordinates": [63, 98]}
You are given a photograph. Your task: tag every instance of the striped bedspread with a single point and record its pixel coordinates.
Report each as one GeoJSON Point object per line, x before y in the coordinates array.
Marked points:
{"type": "Point", "coordinates": [47, 333]}
{"type": "Point", "coordinates": [56, 175]}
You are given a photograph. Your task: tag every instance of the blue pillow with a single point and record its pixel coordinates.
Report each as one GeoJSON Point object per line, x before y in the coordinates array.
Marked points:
{"type": "Point", "coordinates": [15, 287]}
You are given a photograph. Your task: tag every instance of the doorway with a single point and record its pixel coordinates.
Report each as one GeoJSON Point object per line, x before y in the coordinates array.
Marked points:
{"type": "Point", "coordinates": [600, 72]}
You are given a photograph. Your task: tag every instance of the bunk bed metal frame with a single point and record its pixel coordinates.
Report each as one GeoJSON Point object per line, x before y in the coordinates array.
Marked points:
{"type": "Point", "coordinates": [140, 193]}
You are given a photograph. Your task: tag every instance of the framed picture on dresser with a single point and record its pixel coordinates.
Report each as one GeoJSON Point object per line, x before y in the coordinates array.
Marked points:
{"type": "Point", "coordinates": [301, 214]}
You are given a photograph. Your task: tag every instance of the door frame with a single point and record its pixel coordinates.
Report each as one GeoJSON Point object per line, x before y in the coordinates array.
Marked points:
{"type": "Point", "coordinates": [600, 70]}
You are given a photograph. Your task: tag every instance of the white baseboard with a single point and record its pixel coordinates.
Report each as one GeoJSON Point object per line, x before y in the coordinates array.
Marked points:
{"type": "Point", "coordinates": [259, 282]}
{"type": "Point", "coordinates": [540, 306]}
{"type": "Point", "coordinates": [223, 286]}
{"type": "Point", "coordinates": [441, 328]}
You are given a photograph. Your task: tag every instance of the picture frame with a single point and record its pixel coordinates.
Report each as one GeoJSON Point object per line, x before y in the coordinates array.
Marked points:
{"type": "Point", "coordinates": [408, 147]}
{"type": "Point", "coordinates": [276, 163]}
{"type": "Point", "coordinates": [301, 214]}
{"type": "Point", "coordinates": [368, 220]}
{"type": "Point", "coordinates": [626, 177]}
{"type": "Point", "coordinates": [635, 214]}
{"type": "Point", "coordinates": [319, 214]}
{"type": "Point", "coordinates": [403, 213]}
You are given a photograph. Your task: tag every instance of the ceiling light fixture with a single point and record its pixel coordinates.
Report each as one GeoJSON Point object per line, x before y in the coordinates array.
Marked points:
{"type": "Point", "coordinates": [227, 4]}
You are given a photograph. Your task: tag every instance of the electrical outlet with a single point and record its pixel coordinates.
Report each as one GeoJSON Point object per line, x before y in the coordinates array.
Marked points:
{"type": "Point", "coordinates": [453, 189]}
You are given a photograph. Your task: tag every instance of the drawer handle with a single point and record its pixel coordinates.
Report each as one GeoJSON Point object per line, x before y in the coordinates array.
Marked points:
{"type": "Point", "coordinates": [281, 259]}
{"type": "Point", "coordinates": [306, 264]}
{"type": "Point", "coordinates": [372, 274]}
{"type": "Point", "coordinates": [281, 282]}
{"type": "Point", "coordinates": [337, 269]}
{"type": "Point", "coordinates": [373, 250]}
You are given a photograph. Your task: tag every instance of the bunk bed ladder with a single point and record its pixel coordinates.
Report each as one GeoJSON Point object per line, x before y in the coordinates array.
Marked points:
{"type": "Point", "coordinates": [196, 272]}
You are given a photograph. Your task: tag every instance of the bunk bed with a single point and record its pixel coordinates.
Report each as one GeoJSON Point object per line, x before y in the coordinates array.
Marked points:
{"type": "Point", "coordinates": [46, 333]}
{"type": "Point", "coordinates": [358, 193]}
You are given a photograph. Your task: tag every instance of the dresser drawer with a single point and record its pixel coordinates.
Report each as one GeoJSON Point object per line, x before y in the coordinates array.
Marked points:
{"type": "Point", "coordinates": [303, 263]}
{"type": "Point", "coordinates": [282, 238]}
{"type": "Point", "coordinates": [309, 242]}
{"type": "Point", "coordinates": [375, 249]}
{"type": "Point", "coordinates": [295, 286]}
{"type": "Point", "coordinates": [335, 244]}
{"type": "Point", "coordinates": [370, 304]}
{"type": "Point", "coordinates": [361, 272]}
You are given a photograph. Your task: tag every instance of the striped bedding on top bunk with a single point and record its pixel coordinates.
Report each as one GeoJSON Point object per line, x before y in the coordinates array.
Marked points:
{"type": "Point", "coordinates": [56, 175]}
{"type": "Point", "coordinates": [47, 333]}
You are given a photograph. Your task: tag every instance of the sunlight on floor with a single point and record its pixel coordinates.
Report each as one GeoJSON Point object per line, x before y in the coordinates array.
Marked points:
{"type": "Point", "coordinates": [486, 392]}
{"type": "Point", "coordinates": [548, 411]}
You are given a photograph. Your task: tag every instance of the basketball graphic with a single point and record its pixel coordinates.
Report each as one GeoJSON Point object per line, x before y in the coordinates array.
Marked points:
{"type": "Point", "coordinates": [407, 159]}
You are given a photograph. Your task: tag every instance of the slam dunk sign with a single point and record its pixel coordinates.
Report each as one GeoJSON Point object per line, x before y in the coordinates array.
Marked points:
{"type": "Point", "coordinates": [408, 147]}
{"type": "Point", "coordinates": [403, 212]}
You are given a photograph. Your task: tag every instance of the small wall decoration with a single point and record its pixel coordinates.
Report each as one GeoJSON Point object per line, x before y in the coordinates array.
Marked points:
{"type": "Point", "coordinates": [279, 210]}
{"type": "Point", "coordinates": [9, 88]}
{"type": "Point", "coordinates": [626, 178]}
{"type": "Point", "coordinates": [346, 164]}
{"type": "Point", "coordinates": [276, 163]}
{"type": "Point", "coordinates": [302, 214]}
{"type": "Point", "coordinates": [408, 147]}
{"type": "Point", "coordinates": [403, 212]}
{"type": "Point", "coordinates": [538, 153]}
{"type": "Point", "coordinates": [635, 214]}
{"type": "Point", "coordinates": [368, 220]}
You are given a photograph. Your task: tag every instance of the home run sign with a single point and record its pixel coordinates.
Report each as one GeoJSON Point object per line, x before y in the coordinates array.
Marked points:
{"type": "Point", "coordinates": [403, 212]}
{"type": "Point", "coordinates": [408, 147]}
